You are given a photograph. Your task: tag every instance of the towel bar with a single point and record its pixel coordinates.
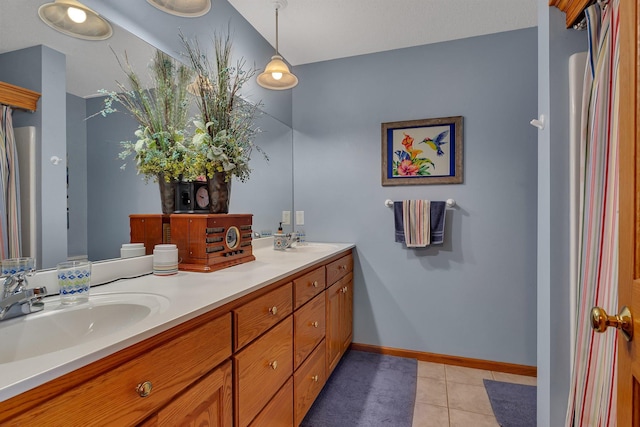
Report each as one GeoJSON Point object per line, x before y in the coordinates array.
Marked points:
{"type": "Point", "coordinates": [450, 203]}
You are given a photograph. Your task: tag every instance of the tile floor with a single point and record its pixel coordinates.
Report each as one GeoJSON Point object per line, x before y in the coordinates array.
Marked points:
{"type": "Point", "coordinates": [453, 396]}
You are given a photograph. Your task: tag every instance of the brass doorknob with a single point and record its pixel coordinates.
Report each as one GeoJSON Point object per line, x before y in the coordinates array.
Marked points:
{"type": "Point", "coordinates": [600, 321]}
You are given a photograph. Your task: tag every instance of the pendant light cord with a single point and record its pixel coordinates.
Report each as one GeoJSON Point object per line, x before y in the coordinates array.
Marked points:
{"type": "Point", "coordinates": [277, 7]}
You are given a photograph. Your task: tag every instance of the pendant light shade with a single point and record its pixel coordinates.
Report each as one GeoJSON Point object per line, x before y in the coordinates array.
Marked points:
{"type": "Point", "coordinates": [74, 19]}
{"type": "Point", "coordinates": [276, 75]}
{"type": "Point", "coordinates": [184, 8]}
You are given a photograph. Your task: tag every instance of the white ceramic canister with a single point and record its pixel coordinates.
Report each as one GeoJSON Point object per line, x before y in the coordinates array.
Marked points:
{"type": "Point", "coordinates": [165, 260]}
{"type": "Point", "coordinates": [129, 250]}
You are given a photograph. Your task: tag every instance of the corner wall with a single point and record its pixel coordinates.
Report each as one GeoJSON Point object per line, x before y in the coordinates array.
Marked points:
{"type": "Point", "coordinates": [556, 44]}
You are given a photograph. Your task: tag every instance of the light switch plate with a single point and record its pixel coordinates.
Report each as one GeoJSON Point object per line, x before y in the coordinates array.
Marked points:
{"type": "Point", "coordinates": [286, 217]}
{"type": "Point", "coordinates": [299, 217]}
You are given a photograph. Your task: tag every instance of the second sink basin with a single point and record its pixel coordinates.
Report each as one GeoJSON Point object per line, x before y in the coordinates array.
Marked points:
{"type": "Point", "coordinates": [59, 327]}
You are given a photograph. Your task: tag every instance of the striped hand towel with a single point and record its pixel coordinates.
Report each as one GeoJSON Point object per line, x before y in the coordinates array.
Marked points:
{"type": "Point", "coordinates": [417, 230]}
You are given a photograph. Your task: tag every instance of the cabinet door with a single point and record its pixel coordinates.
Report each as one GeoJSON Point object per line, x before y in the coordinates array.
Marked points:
{"type": "Point", "coordinates": [333, 336]}
{"type": "Point", "coordinates": [208, 402]}
{"type": "Point", "coordinates": [346, 312]}
{"type": "Point", "coordinates": [339, 310]}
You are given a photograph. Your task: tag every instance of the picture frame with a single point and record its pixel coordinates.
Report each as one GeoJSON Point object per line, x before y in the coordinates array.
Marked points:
{"type": "Point", "coordinates": [422, 152]}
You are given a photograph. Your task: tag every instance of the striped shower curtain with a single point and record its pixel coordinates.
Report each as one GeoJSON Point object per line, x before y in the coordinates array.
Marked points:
{"type": "Point", "coordinates": [9, 188]}
{"type": "Point", "coordinates": [592, 397]}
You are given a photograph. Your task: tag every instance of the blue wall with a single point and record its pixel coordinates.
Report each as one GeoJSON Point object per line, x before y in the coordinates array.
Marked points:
{"type": "Point", "coordinates": [475, 296]}
{"type": "Point", "coordinates": [77, 182]}
{"type": "Point", "coordinates": [42, 69]}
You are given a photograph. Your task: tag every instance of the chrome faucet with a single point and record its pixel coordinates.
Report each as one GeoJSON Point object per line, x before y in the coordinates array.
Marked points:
{"type": "Point", "coordinates": [16, 299]}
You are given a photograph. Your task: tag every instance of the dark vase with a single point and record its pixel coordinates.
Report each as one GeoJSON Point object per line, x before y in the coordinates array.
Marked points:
{"type": "Point", "coordinates": [167, 195]}
{"type": "Point", "coordinates": [219, 193]}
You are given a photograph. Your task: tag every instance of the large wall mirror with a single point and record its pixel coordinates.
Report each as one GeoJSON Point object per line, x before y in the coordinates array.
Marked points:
{"type": "Point", "coordinates": [89, 214]}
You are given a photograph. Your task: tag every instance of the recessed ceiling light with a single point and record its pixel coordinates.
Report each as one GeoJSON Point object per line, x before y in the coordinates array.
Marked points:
{"type": "Point", "coordinates": [74, 19]}
{"type": "Point", "coordinates": [184, 8]}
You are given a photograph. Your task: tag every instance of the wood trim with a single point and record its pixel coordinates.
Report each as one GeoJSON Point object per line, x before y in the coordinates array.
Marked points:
{"type": "Point", "coordinates": [510, 368]}
{"type": "Point", "coordinates": [574, 9]}
{"type": "Point", "coordinates": [629, 205]}
{"type": "Point", "coordinates": [18, 97]}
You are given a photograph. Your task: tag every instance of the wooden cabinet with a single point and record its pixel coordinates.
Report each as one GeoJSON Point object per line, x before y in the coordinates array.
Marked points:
{"type": "Point", "coordinates": [151, 229]}
{"type": "Point", "coordinates": [117, 397]}
{"type": "Point", "coordinates": [339, 312]}
{"type": "Point", "coordinates": [208, 402]}
{"type": "Point", "coordinates": [260, 360]}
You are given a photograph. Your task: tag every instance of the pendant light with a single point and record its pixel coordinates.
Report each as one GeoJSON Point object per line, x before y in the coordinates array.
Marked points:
{"type": "Point", "coordinates": [74, 19]}
{"type": "Point", "coordinates": [184, 8]}
{"type": "Point", "coordinates": [276, 74]}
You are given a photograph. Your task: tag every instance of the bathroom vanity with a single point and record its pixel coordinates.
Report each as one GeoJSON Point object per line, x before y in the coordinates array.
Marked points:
{"type": "Point", "coordinates": [251, 345]}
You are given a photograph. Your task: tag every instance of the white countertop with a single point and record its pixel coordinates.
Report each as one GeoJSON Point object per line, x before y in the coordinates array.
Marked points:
{"type": "Point", "coordinates": [188, 294]}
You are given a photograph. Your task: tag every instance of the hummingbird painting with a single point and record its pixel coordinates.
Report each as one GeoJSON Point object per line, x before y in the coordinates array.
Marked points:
{"type": "Point", "coordinates": [437, 143]}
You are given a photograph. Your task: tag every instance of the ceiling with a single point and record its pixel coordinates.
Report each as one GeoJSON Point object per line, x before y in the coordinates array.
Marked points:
{"type": "Point", "coordinates": [21, 27]}
{"type": "Point", "coordinates": [319, 30]}
{"type": "Point", "coordinates": [309, 30]}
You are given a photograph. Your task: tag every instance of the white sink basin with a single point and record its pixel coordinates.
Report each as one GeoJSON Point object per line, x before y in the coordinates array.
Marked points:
{"type": "Point", "coordinates": [58, 327]}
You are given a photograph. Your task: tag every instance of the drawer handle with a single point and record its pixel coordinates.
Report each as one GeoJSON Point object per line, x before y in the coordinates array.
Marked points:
{"type": "Point", "coordinates": [342, 267]}
{"type": "Point", "coordinates": [344, 290]}
{"type": "Point", "coordinates": [315, 284]}
{"type": "Point", "coordinates": [315, 324]}
{"type": "Point", "coordinates": [315, 378]}
{"type": "Point", "coordinates": [274, 364]}
{"type": "Point", "coordinates": [273, 310]}
{"type": "Point", "coordinates": [144, 389]}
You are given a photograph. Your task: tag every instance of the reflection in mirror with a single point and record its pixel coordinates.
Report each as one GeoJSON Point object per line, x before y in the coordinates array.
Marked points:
{"type": "Point", "coordinates": [90, 218]}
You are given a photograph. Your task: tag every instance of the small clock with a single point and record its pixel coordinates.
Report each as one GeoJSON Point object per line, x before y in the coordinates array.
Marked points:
{"type": "Point", "coordinates": [201, 197]}
{"type": "Point", "coordinates": [233, 237]}
{"type": "Point", "coordinates": [192, 197]}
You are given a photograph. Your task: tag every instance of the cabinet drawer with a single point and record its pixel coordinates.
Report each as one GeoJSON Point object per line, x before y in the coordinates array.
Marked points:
{"type": "Point", "coordinates": [279, 412]}
{"type": "Point", "coordinates": [339, 268]}
{"type": "Point", "coordinates": [309, 328]}
{"type": "Point", "coordinates": [261, 369]}
{"type": "Point", "coordinates": [257, 316]}
{"type": "Point", "coordinates": [308, 381]}
{"type": "Point", "coordinates": [308, 286]}
{"type": "Point", "coordinates": [112, 398]}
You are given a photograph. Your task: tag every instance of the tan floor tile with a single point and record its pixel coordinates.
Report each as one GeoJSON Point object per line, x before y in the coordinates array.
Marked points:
{"type": "Point", "coordinates": [465, 419]}
{"type": "Point", "coordinates": [431, 370]}
{"type": "Point", "coordinates": [425, 415]}
{"type": "Point", "coordinates": [470, 398]}
{"type": "Point", "coordinates": [513, 378]}
{"type": "Point", "coordinates": [462, 375]}
{"type": "Point", "coordinates": [431, 391]}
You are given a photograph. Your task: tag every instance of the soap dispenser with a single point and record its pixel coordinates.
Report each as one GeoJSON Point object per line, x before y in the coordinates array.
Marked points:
{"type": "Point", "coordinates": [282, 241]}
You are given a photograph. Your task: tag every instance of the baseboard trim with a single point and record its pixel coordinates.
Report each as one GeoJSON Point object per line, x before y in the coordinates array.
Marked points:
{"type": "Point", "coordinates": [509, 368]}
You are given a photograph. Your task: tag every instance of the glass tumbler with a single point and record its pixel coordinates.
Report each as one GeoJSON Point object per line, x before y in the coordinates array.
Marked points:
{"type": "Point", "coordinates": [74, 280]}
{"type": "Point", "coordinates": [19, 267]}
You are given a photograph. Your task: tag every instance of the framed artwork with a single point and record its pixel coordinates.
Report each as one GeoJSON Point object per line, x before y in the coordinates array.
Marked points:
{"type": "Point", "coordinates": [418, 152]}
